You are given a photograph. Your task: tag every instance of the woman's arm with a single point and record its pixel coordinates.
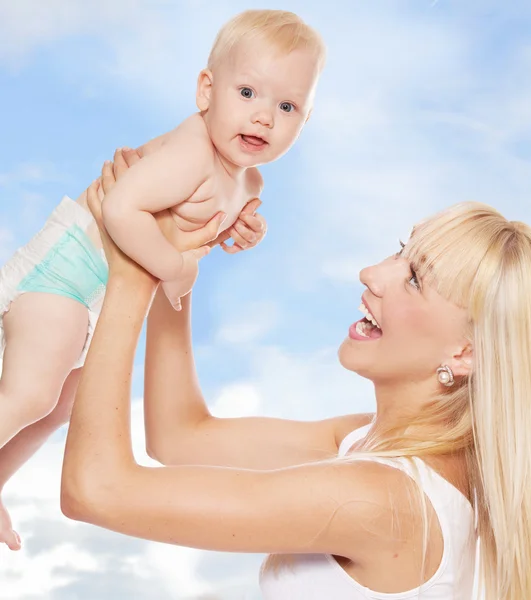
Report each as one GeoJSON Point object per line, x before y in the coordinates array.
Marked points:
{"type": "Point", "coordinates": [180, 428]}
{"type": "Point", "coordinates": [312, 508]}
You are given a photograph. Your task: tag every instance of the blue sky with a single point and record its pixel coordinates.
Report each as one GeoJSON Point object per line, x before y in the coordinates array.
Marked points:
{"type": "Point", "coordinates": [422, 104]}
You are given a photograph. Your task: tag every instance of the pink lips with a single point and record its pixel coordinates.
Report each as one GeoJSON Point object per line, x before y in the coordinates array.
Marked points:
{"type": "Point", "coordinates": [252, 143]}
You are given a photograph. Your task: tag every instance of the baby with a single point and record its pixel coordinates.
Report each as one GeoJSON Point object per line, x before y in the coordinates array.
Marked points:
{"type": "Point", "coordinates": [254, 98]}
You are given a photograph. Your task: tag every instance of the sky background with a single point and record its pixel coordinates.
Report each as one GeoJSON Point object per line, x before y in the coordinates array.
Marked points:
{"type": "Point", "coordinates": [422, 104]}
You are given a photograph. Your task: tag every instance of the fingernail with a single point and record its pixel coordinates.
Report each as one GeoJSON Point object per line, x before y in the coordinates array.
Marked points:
{"type": "Point", "coordinates": [107, 162]}
{"type": "Point", "coordinates": [126, 148]}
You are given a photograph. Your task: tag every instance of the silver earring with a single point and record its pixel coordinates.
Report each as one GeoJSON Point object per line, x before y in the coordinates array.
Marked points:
{"type": "Point", "coordinates": [445, 376]}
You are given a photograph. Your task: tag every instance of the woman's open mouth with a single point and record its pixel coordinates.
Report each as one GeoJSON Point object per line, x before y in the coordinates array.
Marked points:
{"type": "Point", "coordinates": [366, 328]}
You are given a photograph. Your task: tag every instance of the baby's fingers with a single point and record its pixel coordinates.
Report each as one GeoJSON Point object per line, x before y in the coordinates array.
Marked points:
{"type": "Point", "coordinates": [230, 249]}
{"type": "Point", "coordinates": [255, 222]}
{"type": "Point", "coordinates": [241, 235]}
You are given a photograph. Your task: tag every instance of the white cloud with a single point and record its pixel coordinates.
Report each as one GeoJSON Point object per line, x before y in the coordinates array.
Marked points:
{"type": "Point", "coordinates": [279, 383]}
{"type": "Point", "coordinates": [250, 322]}
{"type": "Point", "coordinates": [140, 44]}
{"type": "Point", "coordinates": [32, 173]}
{"type": "Point", "coordinates": [237, 400]}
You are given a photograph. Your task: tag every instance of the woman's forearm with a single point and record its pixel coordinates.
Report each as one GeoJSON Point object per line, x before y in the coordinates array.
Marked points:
{"type": "Point", "coordinates": [99, 439]}
{"type": "Point", "coordinates": [173, 402]}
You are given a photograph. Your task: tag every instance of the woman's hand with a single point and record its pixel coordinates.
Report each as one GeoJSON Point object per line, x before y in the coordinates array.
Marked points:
{"type": "Point", "coordinates": [119, 263]}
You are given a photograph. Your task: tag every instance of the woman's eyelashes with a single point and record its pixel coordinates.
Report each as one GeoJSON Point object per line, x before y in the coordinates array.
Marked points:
{"type": "Point", "coordinates": [413, 280]}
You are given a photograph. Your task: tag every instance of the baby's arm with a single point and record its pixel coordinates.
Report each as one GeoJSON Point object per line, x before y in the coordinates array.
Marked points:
{"type": "Point", "coordinates": [159, 181]}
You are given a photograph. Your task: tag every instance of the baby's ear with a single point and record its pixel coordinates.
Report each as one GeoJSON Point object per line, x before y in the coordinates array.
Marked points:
{"type": "Point", "coordinates": [204, 89]}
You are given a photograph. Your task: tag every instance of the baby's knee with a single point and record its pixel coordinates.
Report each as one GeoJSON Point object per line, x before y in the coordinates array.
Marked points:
{"type": "Point", "coordinates": [28, 403]}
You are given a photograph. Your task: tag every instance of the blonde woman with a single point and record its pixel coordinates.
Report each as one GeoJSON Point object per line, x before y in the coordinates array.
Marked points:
{"type": "Point", "coordinates": [446, 340]}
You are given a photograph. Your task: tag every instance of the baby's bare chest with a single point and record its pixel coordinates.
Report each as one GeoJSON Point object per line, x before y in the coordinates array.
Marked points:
{"type": "Point", "coordinates": [213, 196]}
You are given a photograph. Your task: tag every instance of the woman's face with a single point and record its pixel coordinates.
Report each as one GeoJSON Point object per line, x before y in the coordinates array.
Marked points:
{"type": "Point", "coordinates": [418, 329]}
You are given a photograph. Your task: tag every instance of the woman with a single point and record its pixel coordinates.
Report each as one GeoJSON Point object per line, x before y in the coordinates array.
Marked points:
{"type": "Point", "coordinates": [446, 341]}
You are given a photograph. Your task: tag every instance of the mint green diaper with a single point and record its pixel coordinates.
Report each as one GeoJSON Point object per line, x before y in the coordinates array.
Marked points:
{"type": "Point", "coordinates": [72, 268]}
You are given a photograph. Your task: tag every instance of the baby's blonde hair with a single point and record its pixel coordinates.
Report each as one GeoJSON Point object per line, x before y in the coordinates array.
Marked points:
{"type": "Point", "coordinates": [284, 31]}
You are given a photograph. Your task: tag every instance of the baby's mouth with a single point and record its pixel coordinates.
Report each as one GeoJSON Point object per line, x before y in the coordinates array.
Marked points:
{"type": "Point", "coordinates": [253, 140]}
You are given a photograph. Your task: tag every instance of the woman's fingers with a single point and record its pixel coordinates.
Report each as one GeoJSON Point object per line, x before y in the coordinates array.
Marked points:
{"type": "Point", "coordinates": [131, 156]}
{"type": "Point", "coordinates": [119, 165]}
{"type": "Point", "coordinates": [107, 176]}
{"type": "Point", "coordinates": [124, 158]}
{"type": "Point", "coordinates": [201, 252]}
{"type": "Point", "coordinates": [94, 202]}
{"type": "Point", "coordinates": [207, 233]}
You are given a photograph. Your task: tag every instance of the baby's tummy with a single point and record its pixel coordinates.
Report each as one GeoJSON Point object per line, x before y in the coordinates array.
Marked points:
{"type": "Point", "coordinates": [191, 216]}
{"type": "Point", "coordinates": [182, 234]}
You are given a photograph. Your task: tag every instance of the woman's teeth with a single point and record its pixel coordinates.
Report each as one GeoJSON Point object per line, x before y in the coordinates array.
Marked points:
{"type": "Point", "coordinates": [360, 329]}
{"type": "Point", "coordinates": [368, 316]}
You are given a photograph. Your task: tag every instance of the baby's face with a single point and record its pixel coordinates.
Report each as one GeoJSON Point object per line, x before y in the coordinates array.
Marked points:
{"type": "Point", "coordinates": [260, 101]}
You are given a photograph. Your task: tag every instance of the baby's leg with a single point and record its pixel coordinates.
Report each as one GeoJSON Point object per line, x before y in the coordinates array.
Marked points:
{"type": "Point", "coordinates": [44, 335]}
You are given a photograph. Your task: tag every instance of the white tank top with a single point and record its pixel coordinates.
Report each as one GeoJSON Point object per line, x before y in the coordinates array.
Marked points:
{"type": "Point", "coordinates": [319, 576]}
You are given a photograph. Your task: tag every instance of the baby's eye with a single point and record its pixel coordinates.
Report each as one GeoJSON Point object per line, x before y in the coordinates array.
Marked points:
{"type": "Point", "coordinates": [287, 107]}
{"type": "Point", "coordinates": [247, 93]}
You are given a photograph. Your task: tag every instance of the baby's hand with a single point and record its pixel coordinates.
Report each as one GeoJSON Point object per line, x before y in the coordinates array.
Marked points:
{"type": "Point", "coordinates": [247, 232]}
{"type": "Point", "coordinates": [175, 290]}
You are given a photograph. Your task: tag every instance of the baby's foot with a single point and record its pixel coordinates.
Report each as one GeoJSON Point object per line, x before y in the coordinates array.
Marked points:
{"type": "Point", "coordinates": [7, 534]}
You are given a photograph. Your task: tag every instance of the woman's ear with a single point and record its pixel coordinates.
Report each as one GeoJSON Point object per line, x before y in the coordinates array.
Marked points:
{"type": "Point", "coordinates": [204, 89]}
{"type": "Point", "coordinates": [462, 361]}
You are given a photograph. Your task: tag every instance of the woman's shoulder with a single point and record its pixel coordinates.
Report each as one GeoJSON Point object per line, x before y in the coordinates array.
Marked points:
{"type": "Point", "coordinates": [348, 423]}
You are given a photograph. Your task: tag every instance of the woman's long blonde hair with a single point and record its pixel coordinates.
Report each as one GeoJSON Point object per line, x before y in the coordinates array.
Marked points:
{"type": "Point", "coordinates": [477, 259]}
{"type": "Point", "coordinates": [480, 261]}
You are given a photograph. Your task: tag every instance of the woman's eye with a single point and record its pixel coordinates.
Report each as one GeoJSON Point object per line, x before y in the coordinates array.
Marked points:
{"type": "Point", "coordinates": [247, 93]}
{"type": "Point", "coordinates": [413, 280]}
{"type": "Point", "coordinates": [287, 107]}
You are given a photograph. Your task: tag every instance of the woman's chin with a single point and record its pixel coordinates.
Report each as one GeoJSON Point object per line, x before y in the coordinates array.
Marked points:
{"type": "Point", "coordinates": [351, 359]}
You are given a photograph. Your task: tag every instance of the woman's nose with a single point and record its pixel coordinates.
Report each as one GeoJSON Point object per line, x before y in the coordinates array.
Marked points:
{"type": "Point", "coordinates": [389, 272]}
{"type": "Point", "coordinates": [369, 278]}
{"type": "Point", "coordinates": [378, 277]}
